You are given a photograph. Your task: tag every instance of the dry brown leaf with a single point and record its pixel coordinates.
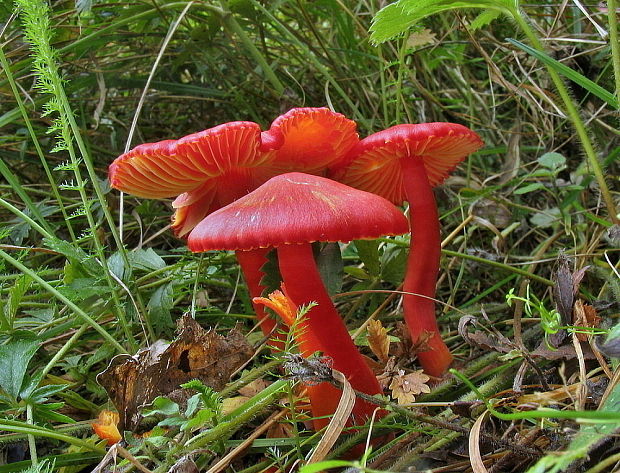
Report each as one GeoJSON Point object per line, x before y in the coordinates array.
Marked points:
{"type": "Point", "coordinates": [134, 381]}
{"type": "Point", "coordinates": [421, 38]}
{"type": "Point", "coordinates": [497, 214]}
{"type": "Point", "coordinates": [388, 373]}
{"type": "Point", "coordinates": [554, 396]}
{"type": "Point", "coordinates": [185, 464]}
{"type": "Point", "coordinates": [475, 456]}
{"type": "Point", "coordinates": [337, 422]}
{"type": "Point", "coordinates": [405, 387]}
{"type": "Point", "coordinates": [245, 393]}
{"type": "Point", "coordinates": [585, 315]}
{"type": "Point", "coordinates": [566, 352]}
{"type": "Point", "coordinates": [378, 340]}
{"type": "Point", "coordinates": [254, 387]}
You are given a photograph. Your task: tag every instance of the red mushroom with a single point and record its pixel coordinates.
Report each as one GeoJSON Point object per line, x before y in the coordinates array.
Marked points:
{"type": "Point", "coordinates": [289, 212]}
{"type": "Point", "coordinates": [212, 168]}
{"type": "Point", "coordinates": [403, 163]}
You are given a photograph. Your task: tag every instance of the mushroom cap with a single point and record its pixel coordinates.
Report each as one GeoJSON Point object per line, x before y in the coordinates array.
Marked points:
{"type": "Point", "coordinates": [374, 163]}
{"type": "Point", "coordinates": [211, 168]}
{"type": "Point", "coordinates": [297, 208]}
{"type": "Point", "coordinates": [314, 139]}
{"type": "Point", "coordinates": [171, 167]}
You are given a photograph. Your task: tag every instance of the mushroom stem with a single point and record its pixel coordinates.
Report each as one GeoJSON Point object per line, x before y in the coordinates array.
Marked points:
{"type": "Point", "coordinates": [423, 267]}
{"type": "Point", "coordinates": [304, 285]}
{"type": "Point", "coordinates": [324, 397]}
{"type": "Point", "coordinates": [251, 263]}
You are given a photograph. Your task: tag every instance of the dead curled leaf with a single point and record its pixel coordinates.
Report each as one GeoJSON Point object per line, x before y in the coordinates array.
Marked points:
{"type": "Point", "coordinates": [405, 387]}
{"type": "Point", "coordinates": [378, 340]}
{"type": "Point", "coordinates": [585, 315]}
{"type": "Point", "coordinates": [134, 381]}
{"type": "Point", "coordinates": [566, 287]}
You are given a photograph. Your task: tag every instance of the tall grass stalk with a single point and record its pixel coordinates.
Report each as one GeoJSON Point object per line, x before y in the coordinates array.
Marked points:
{"type": "Point", "coordinates": [38, 32]}
{"type": "Point", "coordinates": [574, 116]}
{"type": "Point", "coordinates": [614, 42]}
{"type": "Point", "coordinates": [35, 142]}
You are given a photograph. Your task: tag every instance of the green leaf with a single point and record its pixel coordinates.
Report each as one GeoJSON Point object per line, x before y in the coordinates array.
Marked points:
{"type": "Point", "coordinates": [569, 73]}
{"type": "Point", "coordinates": [395, 19]}
{"type": "Point", "coordinates": [356, 272]}
{"type": "Point", "coordinates": [161, 405]}
{"type": "Point", "coordinates": [552, 160]}
{"type": "Point", "coordinates": [192, 405]}
{"type": "Point", "coordinates": [590, 435]}
{"type": "Point", "coordinates": [159, 306]}
{"type": "Point", "coordinates": [547, 218]}
{"type": "Point", "coordinates": [393, 266]}
{"type": "Point", "coordinates": [529, 188]}
{"type": "Point", "coordinates": [41, 394]}
{"type": "Point", "coordinates": [329, 264]}
{"type": "Point", "coordinates": [14, 359]}
{"type": "Point", "coordinates": [146, 260]}
{"type": "Point", "coordinates": [368, 251]}
{"type": "Point", "coordinates": [75, 254]}
{"type": "Point", "coordinates": [200, 419]}
{"type": "Point", "coordinates": [11, 306]}
{"type": "Point", "coordinates": [325, 465]}
{"type": "Point", "coordinates": [485, 18]}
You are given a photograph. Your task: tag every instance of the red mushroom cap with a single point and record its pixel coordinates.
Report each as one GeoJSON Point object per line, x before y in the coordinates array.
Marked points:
{"type": "Point", "coordinates": [314, 140]}
{"type": "Point", "coordinates": [373, 164]}
{"type": "Point", "coordinates": [211, 168]}
{"type": "Point", "coordinates": [297, 208]}
{"type": "Point", "coordinates": [169, 168]}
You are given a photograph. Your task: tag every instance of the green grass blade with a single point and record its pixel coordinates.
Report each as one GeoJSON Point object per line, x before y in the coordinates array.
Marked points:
{"type": "Point", "coordinates": [569, 73]}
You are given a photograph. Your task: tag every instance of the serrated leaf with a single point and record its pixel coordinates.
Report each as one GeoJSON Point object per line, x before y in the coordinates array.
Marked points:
{"type": "Point", "coordinates": [16, 294]}
{"type": "Point", "coordinates": [483, 19]}
{"type": "Point", "coordinates": [395, 19]}
{"type": "Point", "coordinates": [405, 387]}
{"type": "Point", "coordinates": [146, 260]}
{"type": "Point", "coordinates": [378, 340]}
{"type": "Point", "coordinates": [393, 266]}
{"type": "Point", "coordinates": [74, 254]}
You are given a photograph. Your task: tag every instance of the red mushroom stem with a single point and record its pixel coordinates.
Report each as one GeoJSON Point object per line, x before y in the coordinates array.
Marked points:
{"type": "Point", "coordinates": [304, 285]}
{"type": "Point", "coordinates": [423, 267]}
{"type": "Point", "coordinates": [251, 263]}
{"type": "Point", "coordinates": [324, 397]}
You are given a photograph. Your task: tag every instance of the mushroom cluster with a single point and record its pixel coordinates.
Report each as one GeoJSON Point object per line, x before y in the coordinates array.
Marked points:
{"type": "Point", "coordinates": [239, 188]}
{"type": "Point", "coordinates": [212, 168]}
